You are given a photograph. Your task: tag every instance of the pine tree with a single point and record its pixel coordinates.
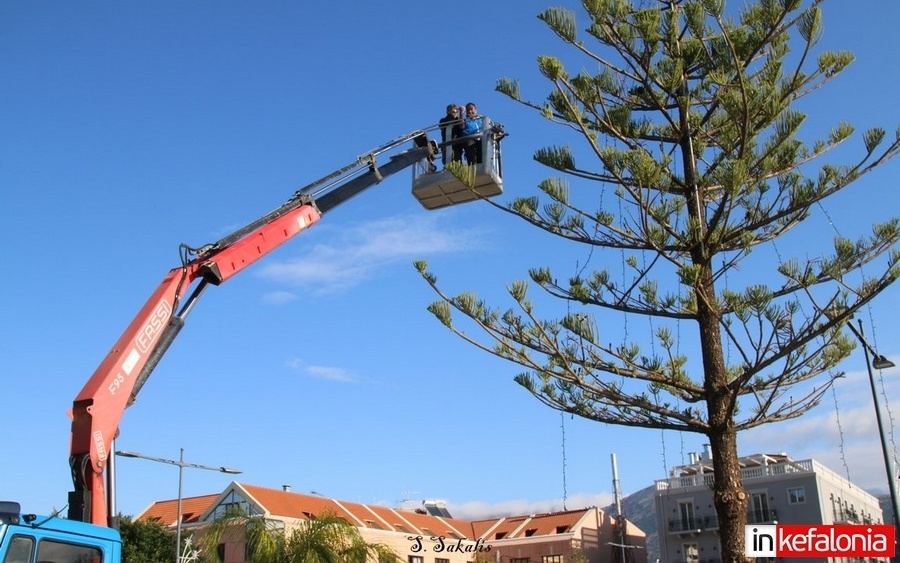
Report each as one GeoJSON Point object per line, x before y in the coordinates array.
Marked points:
{"type": "Point", "coordinates": [691, 118]}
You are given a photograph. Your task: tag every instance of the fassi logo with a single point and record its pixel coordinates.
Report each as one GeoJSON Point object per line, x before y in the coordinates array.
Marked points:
{"type": "Point", "coordinates": [819, 540]}
{"type": "Point", "coordinates": [154, 325]}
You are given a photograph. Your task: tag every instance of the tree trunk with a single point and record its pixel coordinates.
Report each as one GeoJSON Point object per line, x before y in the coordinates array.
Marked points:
{"type": "Point", "coordinates": [729, 496]}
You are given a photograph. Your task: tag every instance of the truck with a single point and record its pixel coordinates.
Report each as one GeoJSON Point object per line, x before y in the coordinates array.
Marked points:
{"type": "Point", "coordinates": [89, 532]}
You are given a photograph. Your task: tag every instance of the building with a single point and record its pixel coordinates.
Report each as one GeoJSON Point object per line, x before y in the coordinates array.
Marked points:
{"type": "Point", "coordinates": [425, 534]}
{"type": "Point", "coordinates": [556, 538]}
{"type": "Point", "coordinates": [781, 490]}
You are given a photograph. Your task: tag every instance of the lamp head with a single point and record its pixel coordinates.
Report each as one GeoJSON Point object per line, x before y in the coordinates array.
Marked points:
{"type": "Point", "coordinates": [880, 362]}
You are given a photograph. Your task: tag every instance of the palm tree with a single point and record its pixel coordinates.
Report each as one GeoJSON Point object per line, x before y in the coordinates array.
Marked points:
{"type": "Point", "coordinates": [328, 538]}
{"type": "Point", "coordinates": [263, 539]}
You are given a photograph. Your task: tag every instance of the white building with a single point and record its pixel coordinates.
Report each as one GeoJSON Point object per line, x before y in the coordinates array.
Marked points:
{"type": "Point", "coordinates": [781, 490]}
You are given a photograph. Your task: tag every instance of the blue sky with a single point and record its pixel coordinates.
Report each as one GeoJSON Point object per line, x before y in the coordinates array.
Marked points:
{"type": "Point", "coordinates": [128, 128]}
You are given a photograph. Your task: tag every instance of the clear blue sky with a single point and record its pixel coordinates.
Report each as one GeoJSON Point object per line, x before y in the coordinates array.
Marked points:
{"type": "Point", "coordinates": [127, 128]}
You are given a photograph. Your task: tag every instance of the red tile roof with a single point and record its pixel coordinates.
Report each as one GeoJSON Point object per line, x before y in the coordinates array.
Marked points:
{"type": "Point", "coordinates": [506, 527]}
{"type": "Point", "coordinates": [549, 524]}
{"type": "Point", "coordinates": [481, 527]}
{"type": "Point", "coordinates": [164, 511]}
{"type": "Point", "coordinates": [278, 502]}
{"type": "Point", "coordinates": [523, 526]}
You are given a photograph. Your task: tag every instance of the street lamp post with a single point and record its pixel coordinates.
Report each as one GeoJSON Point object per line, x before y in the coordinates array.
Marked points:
{"type": "Point", "coordinates": [880, 362]}
{"type": "Point", "coordinates": [181, 465]}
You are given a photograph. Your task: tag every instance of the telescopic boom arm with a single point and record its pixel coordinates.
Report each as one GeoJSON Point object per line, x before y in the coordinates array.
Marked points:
{"type": "Point", "coordinates": [99, 406]}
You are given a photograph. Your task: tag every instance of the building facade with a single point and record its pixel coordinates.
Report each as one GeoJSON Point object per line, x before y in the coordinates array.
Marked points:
{"type": "Point", "coordinates": [563, 537]}
{"type": "Point", "coordinates": [425, 534]}
{"type": "Point", "coordinates": [780, 489]}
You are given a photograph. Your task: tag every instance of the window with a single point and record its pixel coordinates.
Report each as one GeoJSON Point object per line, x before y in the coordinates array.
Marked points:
{"type": "Point", "coordinates": [415, 559]}
{"type": "Point", "coordinates": [519, 560]}
{"type": "Point", "coordinates": [441, 560]}
{"type": "Point", "coordinates": [552, 559]}
{"type": "Point", "coordinates": [691, 553]}
{"type": "Point", "coordinates": [530, 532]}
{"type": "Point", "coordinates": [796, 495]}
{"type": "Point", "coordinates": [686, 514]}
{"type": "Point", "coordinates": [759, 508]}
{"type": "Point", "coordinates": [499, 535]}
{"type": "Point", "coordinates": [20, 550]}
{"type": "Point", "coordinates": [51, 550]}
{"type": "Point", "coordinates": [562, 529]}
{"type": "Point", "coordinates": [233, 503]}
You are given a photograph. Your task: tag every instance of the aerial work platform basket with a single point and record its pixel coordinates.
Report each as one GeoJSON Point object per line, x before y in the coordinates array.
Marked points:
{"type": "Point", "coordinates": [435, 186]}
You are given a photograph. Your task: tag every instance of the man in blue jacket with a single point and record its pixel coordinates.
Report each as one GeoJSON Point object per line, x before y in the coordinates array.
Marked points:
{"type": "Point", "coordinates": [472, 126]}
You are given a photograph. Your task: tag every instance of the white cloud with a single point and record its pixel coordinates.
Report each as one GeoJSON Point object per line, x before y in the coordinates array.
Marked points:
{"type": "Point", "coordinates": [358, 252]}
{"type": "Point", "coordinates": [477, 510]}
{"type": "Point", "coordinates": [852, 449]}
{"type": "Point", "coordinates": [279, 297]}
{"type": "Point", "coordinates": [329, 373]}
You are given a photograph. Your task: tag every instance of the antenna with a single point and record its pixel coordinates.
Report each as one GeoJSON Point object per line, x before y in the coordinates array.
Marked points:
{"type": "Point", "coordinates": [620, 517]}
{"type": "Point", "coordinates": [562, 425]}
{"type": "Point", "coordinates": [407, 497]}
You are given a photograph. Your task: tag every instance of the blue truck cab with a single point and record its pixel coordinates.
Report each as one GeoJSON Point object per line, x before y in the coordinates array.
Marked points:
{"type": "Point", "coordinates": [27, 538]}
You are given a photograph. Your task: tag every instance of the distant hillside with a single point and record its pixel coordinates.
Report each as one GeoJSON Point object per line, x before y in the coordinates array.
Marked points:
{"type": "Point", "coordinates": [887, 510]}
{"type": "Point", "coordinates": [640, 509]}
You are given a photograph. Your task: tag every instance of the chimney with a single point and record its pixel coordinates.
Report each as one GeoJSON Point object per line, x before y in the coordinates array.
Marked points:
{"type": "Point", "coordinates": [286, 488]}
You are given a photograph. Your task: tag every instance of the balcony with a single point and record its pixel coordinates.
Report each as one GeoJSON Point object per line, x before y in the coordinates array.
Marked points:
{"type": "Point", "coordinates": [693, 526]}
{"type": "Point", "coordinates": [762, 516]}
{"type": "Point", "coordinates": [748, 474]}
{"type": "Point", "coordinates": [685, 526]}
{"type": "Point", "coordinates": [850, 516]}
{"type": "Point", "coordinates": [710, 522]}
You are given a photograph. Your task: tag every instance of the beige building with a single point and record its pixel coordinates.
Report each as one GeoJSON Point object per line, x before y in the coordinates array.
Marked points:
{"type": "Point", "coordinates": [556, 538]}
{"type": "Point", "coordinates": [427, 533]}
